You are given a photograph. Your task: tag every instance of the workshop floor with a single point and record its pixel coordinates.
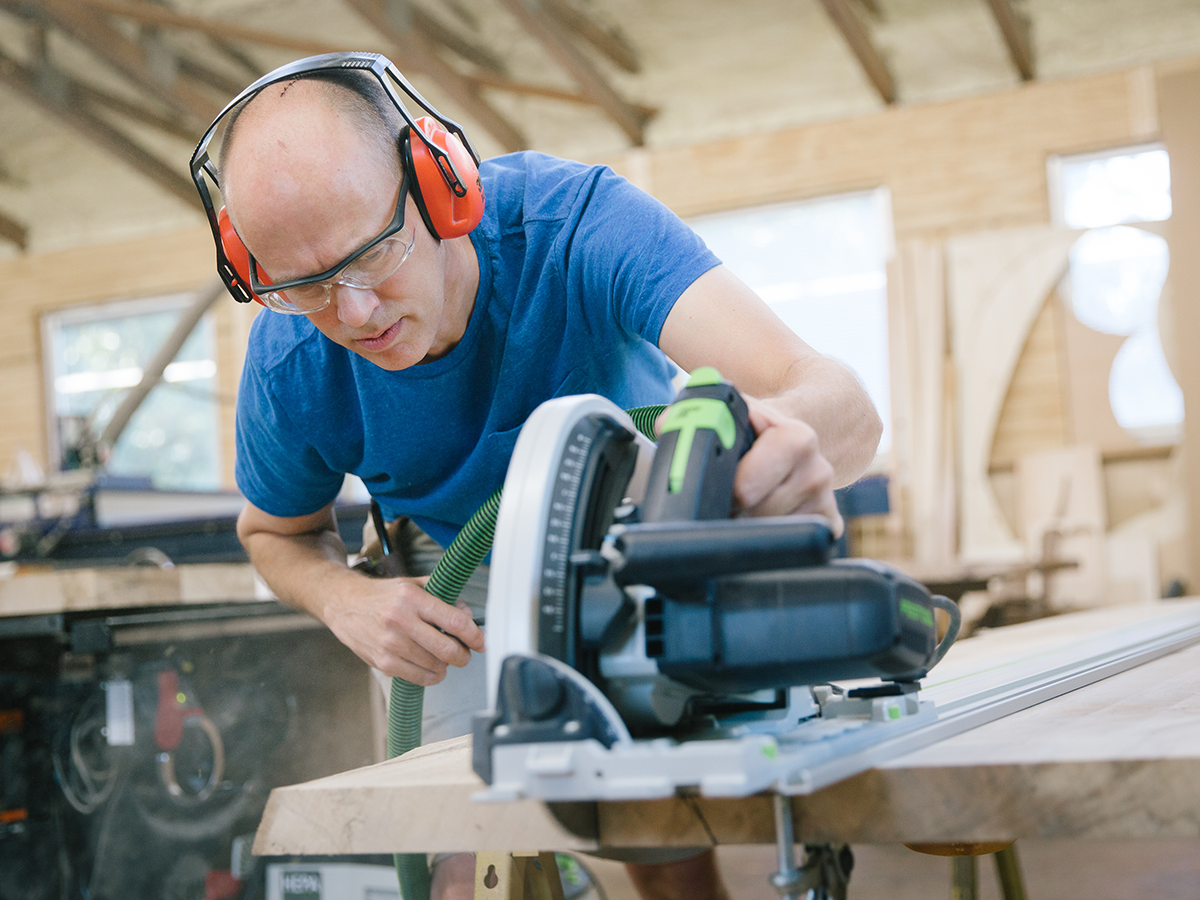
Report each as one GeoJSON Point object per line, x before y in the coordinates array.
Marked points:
{"type": "Point", "coordinates": [1052, 870]}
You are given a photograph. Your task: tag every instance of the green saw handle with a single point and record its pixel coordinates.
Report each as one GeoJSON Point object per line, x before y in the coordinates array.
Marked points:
{"type": "Point", "coordinates": [706, 431]}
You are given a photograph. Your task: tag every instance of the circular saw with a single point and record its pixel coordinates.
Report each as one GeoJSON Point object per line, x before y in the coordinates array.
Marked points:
{"type": "Point", "coordinates": [642, 641]}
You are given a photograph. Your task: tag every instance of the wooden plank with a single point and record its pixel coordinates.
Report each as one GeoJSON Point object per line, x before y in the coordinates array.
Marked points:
{"type": "Point", "coordinates": [1119, 758]}
{"type": "Point", "coordinates": [859, 41]}
{"type": "Point", "coordinates": [1177, 93]}
{"type": "Point", "coordinates": [73, 590]}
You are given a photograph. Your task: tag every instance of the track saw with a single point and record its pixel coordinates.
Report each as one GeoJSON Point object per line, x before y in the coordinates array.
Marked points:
{"type": "Point", "coordinates": [643, 643]}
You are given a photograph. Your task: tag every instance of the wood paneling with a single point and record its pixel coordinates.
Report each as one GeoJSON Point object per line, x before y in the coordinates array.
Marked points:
{"type": "Point", "coordinates": [959, 166]}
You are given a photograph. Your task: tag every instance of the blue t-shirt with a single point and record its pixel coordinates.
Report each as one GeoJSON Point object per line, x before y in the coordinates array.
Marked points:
{"type": "Point", "coordinates": [577, 272]}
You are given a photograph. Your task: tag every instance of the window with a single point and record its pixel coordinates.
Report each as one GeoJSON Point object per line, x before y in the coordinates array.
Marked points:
{"type": "Point", "coordinates": [1116, 275]}
{"type": "Point", "coordinates": [820, 265]}
{"type": "Point", "coordinates": [95, 354]}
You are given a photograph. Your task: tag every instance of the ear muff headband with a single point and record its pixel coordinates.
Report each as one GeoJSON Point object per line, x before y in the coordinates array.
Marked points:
{"type": "Point", "coordinates": [444, 163]}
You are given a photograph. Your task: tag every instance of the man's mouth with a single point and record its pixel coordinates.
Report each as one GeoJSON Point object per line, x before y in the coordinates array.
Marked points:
{"type": "Point", "coordinates": [382, 340]}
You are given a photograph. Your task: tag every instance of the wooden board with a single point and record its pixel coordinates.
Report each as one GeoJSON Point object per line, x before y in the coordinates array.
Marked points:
{"type": "Point", "coordinates": [1116, 759]}
{"type": "Point", "coordinates": [115, 587]}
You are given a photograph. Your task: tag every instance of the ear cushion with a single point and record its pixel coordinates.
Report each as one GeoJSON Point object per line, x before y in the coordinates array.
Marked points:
{"type": "Point", "coordinates": [237, 257]}
{"type": "Point", "coordinates": [447, 214]}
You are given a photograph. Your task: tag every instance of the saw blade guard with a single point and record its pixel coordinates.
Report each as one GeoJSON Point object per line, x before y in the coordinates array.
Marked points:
{"type": "Point", "coordinates": [576, 459]}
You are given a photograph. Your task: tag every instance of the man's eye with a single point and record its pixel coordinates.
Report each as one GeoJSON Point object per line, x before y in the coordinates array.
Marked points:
{"type": "Point", "coordinates": [374, 256]}
{"type": "Point", "coordinates": [306, 292]}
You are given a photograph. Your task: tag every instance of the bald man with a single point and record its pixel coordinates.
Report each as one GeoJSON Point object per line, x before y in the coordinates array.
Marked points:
{"type": "Point", "coordinates": [415, 364]}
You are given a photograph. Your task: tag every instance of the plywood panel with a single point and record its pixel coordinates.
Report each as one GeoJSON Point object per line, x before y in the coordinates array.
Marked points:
{"type": "Point", "coordinates": [1033, 416]}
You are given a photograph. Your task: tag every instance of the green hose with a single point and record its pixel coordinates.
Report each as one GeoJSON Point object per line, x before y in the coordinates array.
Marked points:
{"type": "Point", "coordinates": [644, 417]}
{"type": "Point", "coordinates": [461, 558]}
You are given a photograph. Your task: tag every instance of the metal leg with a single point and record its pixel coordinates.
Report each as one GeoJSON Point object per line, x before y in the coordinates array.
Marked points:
{"type": "Point", "coordinates": [1008, 870]}
{"type": "Point", "coordinates": [964, 881]}
{"type": "Point", "coordinates": [826, 869]}
{"type": "Point", "coordinates": [787, 880]}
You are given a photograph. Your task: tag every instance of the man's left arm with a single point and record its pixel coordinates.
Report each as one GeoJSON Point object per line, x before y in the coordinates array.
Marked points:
{"type": "Point", "coordinates": [817, 428]}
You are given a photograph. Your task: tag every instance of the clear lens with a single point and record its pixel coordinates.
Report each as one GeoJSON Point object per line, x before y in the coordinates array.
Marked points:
{"type": "Point", "coordinates": [378, 263]}
{"type": "Point", "coordinates": [304, 299]}
{"type": "Point", "coordinates": [373, 267]}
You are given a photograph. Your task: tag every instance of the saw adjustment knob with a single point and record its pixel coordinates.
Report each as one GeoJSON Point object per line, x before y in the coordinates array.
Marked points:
{"type": "Point", "coordinates": [541, 692]}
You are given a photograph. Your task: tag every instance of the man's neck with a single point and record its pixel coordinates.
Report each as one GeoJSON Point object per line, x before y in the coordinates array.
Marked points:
{"type": "Point", "coordinates": [461, 286]}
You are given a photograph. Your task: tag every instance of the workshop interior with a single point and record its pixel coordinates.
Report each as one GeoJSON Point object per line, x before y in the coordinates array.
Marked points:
{"type": "Point", "coordinates": [987, 209]}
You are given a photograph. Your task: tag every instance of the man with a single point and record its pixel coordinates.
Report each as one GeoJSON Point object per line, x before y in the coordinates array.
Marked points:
{"type": "Point", "coordinates": [418, 361]}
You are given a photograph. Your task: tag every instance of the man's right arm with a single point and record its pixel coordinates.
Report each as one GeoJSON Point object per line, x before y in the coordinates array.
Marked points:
{"type": "Point", "coordinates": [390, 623]}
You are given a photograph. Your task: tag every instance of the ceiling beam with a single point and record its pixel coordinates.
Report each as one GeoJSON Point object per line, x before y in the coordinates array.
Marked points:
{"type": "Point", "coordinates": [13, 231]}
{"type": "Point", "coordinates": [416, 52]}
{"type": "Point", "coordinates": [54, 92]}
{"type": "Point", "coordinates": [610, 42]}
{"type": "Point", "coordinates": [93, 96]}
{"type": "Point", "coordinates": [150, 14]}
{"type": "Point", "coordinates": [130, 58]}
{"type": "Point", "coordinates": [536, 90]}
{"type": "Point", "coordinates": [859, 41]}
{"type": "Point", "coordinates": [1014, 25]}
{"type": "Point", "coordinates": [408, 15]}
{"type": "Point", "coordinates": [551, 34]}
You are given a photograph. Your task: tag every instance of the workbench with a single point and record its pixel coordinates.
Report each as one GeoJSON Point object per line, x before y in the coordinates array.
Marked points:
{"type": "Point", "coordinates": [1119, 758]}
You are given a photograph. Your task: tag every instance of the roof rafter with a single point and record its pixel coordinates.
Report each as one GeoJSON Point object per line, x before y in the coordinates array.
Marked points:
{"type": "Point", "coordinates": [55, 92]}
{"type": "Point", "coordinates": [13, 231]}
{"type": "Point", "coordinates": [610, 42]}
{"type": "Point", "coordinates": [551, 34]}
{"type": "Point", "coordinates": [129, 58]}
{"type": "Point", "coordinates": [149, 14]}
{"type": "Point", "coordinates": [417, 53]}
{"type": "Point", "coordinates": [856, 37]}
{"type": "Point", "coordinates": [1014, 25]}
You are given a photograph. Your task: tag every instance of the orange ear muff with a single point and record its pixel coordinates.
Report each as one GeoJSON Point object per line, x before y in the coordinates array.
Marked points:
{"type": "Point", "coordinates": [237, 257]}
{"type": "Point", "coordinates": [452, 208]}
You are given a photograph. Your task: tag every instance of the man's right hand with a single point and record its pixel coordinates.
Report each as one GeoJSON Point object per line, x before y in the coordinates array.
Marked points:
{"type": "Point", "coordinates": [392, 624]}
{"type": "Point", "coordinates": [397, 627]}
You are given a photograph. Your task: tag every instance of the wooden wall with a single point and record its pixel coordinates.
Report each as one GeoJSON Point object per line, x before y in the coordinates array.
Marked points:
{"type": "Point", "coordinates": [961, 166]}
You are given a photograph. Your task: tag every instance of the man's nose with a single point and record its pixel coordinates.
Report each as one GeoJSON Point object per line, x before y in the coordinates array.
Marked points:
{"type": "Point", "coordinates": [354, 305]}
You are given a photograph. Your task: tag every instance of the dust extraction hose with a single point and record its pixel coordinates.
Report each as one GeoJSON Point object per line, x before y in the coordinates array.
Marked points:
{"type": "Point", "coordinates": [464, 555]}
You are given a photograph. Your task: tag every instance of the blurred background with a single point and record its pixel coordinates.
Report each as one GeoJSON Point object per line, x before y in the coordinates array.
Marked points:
{"type": "Point", "coordinates": [989, 209]}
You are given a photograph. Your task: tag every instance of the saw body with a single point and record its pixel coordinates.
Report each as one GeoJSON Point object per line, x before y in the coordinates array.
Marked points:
{"type": "Point", "coordinates": [641, 641]}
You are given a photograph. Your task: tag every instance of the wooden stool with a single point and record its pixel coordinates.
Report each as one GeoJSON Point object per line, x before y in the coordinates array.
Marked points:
{"type": "Point", "coordinates": [517, 876]}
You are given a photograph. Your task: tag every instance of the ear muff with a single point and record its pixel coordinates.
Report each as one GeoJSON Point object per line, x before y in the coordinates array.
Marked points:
{"type": "Point", "coordinates": [451, 207]}
{"type": "Point", "coordinates": [237, 258]}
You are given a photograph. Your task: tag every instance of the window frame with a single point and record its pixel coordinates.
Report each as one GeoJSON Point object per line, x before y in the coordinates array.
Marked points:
{"type": "Point", "coordinates": [52, 320]}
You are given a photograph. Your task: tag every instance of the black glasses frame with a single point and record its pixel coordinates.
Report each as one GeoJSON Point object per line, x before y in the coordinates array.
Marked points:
{"type": "Point", "coordinates": [390, 78]}
{"type": "Point", "coordinates": [394, 226]}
